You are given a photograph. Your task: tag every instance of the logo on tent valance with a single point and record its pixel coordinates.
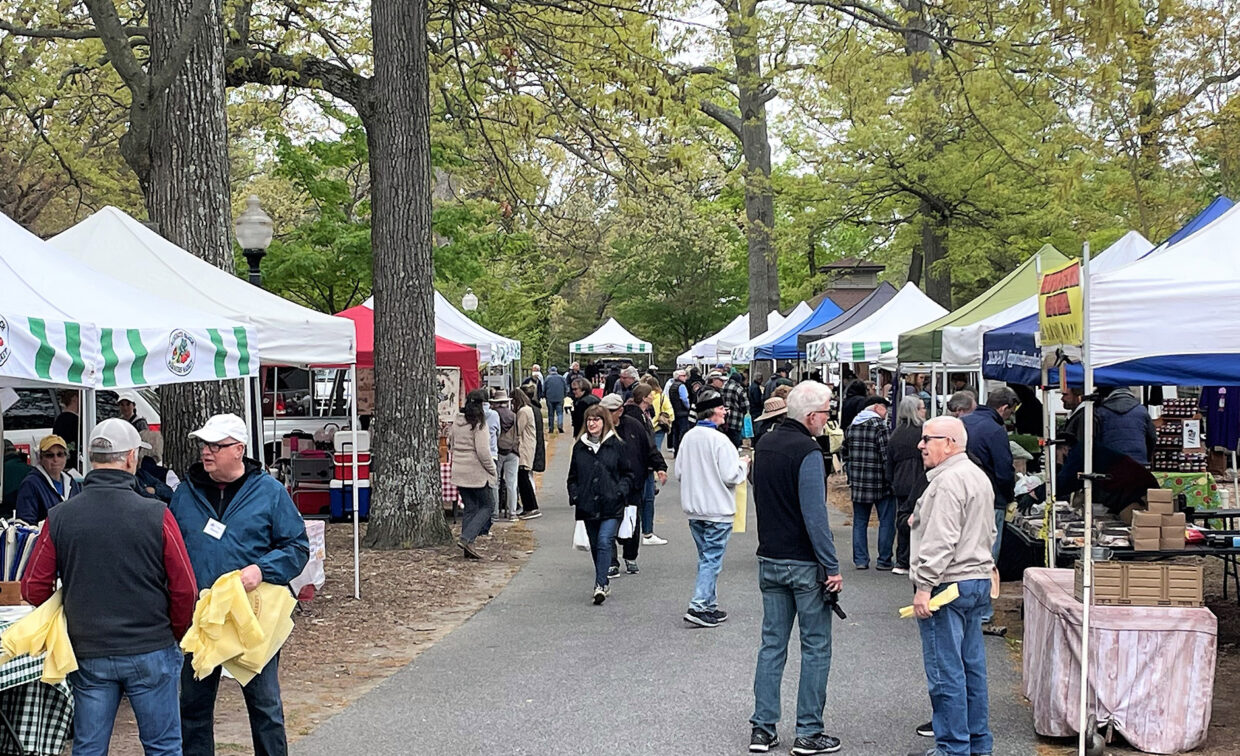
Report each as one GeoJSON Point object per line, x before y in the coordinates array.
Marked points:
{"type": "Point", "coordinates": [181, 352]}
{"type": "Point", "coordinates": [5, 349]}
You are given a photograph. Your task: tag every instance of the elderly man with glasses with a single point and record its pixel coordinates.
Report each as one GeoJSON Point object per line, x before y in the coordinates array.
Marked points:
{"type": "Point", "coordinates": [48, 484]}
{"type": "Point", "coordinates": [952, 532]}
{"type": "Point", "coordinates": [234, 516]}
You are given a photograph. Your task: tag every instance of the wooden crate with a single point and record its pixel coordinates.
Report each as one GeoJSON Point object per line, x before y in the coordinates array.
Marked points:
{"type": "Point", "coordinates": [1172, 583]}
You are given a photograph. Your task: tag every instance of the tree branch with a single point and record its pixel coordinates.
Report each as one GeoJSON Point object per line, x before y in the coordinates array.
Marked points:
{"type": "Point", "coordinates": [729, 120]}
{"type": "Point", "coordinates": [116, 42]}
{"type": "Point", "coordinates": [244, 65]}
{"type": "Point", "coordinates": [20, 31]}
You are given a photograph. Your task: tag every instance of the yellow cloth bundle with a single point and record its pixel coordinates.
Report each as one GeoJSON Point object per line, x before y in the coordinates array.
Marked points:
{"type": "Point", "coordinates": [936, 602]}
{"type": "Point", "coordinates": [239, 630]}
{"type": "Point", "coordinates": [43, 632]}
{"type": "Point", "coordinates": [742, 507]}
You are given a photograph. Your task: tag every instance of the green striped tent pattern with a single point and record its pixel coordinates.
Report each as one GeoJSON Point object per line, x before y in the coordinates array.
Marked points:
{"type": "Point", "coordinates": [581, 348]}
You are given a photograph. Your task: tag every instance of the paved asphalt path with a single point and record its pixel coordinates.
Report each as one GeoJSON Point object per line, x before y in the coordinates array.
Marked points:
{"type": "Point", "coordinates": [540, 670]}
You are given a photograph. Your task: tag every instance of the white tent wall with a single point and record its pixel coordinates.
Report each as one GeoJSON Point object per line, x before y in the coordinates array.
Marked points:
{"type": "Point", "coordinates": [611, 338]}
{"type": "Point", "coordinates": [742, 354]}
{"type": "Point", "coordinates": [908, 309]}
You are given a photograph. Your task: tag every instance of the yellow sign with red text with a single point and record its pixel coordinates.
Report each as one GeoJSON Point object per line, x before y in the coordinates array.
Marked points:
{"type": "Point", "coordinates": [1061, 316]}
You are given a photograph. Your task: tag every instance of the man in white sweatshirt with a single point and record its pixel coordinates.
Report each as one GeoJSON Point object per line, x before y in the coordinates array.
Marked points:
{"type": "Point", "coordinates": [952, 533]}
{"type": "Point", "coordinates": [709, 469]}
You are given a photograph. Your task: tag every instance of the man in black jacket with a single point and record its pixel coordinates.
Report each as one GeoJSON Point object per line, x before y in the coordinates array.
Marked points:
{"type": "Point", "coordinates": [990, 449]}
{"type": "Point", "coordinates": [796, 564]}
{"type": "Point", "coordinates": [633, 427]}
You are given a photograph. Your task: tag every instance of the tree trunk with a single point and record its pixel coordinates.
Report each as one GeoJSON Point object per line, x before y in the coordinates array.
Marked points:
{"type": "Point", "coordinates": [407, 509]}
{"type": "Point", "coordinates": [187, 194]}
{"type": "Point", "coordinates": [753, 95]}
{"type": "Point", "coordinates": [938, 278]}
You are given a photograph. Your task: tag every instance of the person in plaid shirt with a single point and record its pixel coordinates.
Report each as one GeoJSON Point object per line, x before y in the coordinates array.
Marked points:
{"type": "Point", "coordinates": [736, 399]}
{"type": "Point", "coordinates": [866, 440]}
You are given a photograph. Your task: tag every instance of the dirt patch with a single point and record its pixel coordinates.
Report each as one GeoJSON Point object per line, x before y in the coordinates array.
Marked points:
{"type": "Point", "coordinates": [342, 647]}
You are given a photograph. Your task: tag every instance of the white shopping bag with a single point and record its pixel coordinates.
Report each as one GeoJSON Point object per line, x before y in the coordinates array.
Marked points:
{"type": "Point", "coordinates": [581, 539]}
{"type": "Point", "coordinates": [628, 523]}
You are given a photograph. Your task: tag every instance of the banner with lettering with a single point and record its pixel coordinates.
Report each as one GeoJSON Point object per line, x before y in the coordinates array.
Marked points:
{"type": "Point", "coordinates": [1061, 317]}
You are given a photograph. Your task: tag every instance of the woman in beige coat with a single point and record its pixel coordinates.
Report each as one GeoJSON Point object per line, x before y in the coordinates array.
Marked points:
{"type": "Point", "coordinates": [528, 435]}
{"type": "Point", "coordinates": [473, 469]}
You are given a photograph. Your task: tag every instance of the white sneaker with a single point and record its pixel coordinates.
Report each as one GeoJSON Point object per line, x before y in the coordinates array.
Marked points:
{"type": "Point", "coordinates": [650, 539]}
{"type": "Point", "coordinates": [898, 571]}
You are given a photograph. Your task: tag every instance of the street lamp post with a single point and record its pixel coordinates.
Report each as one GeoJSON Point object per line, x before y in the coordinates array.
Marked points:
{"type": "Point", "coordinates": [253, 230]}
{"type": "Point", "coordinates": [470, 301]}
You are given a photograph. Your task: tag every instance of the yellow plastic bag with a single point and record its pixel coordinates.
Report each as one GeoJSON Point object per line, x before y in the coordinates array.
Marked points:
{"type": "Point", "coordinates": [937, 601]}
{"type": "Point", "coordinates": [742, 507]}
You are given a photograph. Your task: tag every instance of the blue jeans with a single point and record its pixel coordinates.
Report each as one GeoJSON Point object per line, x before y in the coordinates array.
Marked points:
{"type": "Point", "coordinates": [886, 531]}
{"type": "Point", "coordinates": [149, 681]}
{"type": "Point", "coordinates": [955, 659]}
{"type": "Point", "coordinates": [792, 592]}
{"type": "Point", "coordinates": [602, 545]}
{"type": "Point", "coordinates": [647, 508]}
{"type": "Point", "coordinates": [555, 415]}
{"type": "Point", "coordinates": [711, 539]}
{"type": "Point", "coordinates": [659, 436]}
{"type": "Point", "coordinates": [262, 703]}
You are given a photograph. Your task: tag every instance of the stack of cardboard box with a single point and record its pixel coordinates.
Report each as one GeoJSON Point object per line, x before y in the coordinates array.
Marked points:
{"type": "Point", "coordinates": [1160, 527]}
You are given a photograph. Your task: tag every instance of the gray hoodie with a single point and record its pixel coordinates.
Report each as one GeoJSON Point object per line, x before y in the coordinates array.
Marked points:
{"type": "Point", "coordinates": [953, 526]}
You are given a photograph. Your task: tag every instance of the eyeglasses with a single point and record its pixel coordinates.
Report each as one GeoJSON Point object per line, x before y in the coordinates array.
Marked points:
{"type": "Point", "coordinates": [928, 439]}
{"type": "Point", "coordinates": [55, 455]}
{"type": "Point", "coordinates": [215, 448]}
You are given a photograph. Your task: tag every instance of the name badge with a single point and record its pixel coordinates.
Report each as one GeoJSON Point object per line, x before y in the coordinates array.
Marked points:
{"type": "Point", "coordinates": [214, 528]}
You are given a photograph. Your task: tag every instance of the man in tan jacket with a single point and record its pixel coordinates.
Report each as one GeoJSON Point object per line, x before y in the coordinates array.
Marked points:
{"type": "Point", "coordinates": [953, 528]}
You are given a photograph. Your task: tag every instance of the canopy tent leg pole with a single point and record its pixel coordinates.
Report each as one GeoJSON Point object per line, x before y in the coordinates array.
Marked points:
{"type": "Point", "coordinates": [934, 391]}
{"type": "Point", "coordinates": [353, 423]}
{"type": "Point", "coordinates": [261, 431]}
{"type": "Point", "coordinates": [1048, 421]}
{"type": "Point", "coordinates": [89, 419]}
{"type": "Point", "coordinates": [1087, 550]}
{"type": "Point", "coordinates": [251, 445]}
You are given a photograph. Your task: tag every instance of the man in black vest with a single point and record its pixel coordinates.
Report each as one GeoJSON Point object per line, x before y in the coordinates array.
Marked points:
{"type": "Point", "coordinates": [796, 563]}
{"type": "Point", "coordinates": [128, 596]}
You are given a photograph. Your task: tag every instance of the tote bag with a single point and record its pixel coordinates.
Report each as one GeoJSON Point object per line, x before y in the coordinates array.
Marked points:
{"type": "Point", "coordinates": [581, 539]}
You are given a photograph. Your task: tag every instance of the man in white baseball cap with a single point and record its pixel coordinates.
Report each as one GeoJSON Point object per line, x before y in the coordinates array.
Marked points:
{"type": "Point", "coordinates": [234, 516]}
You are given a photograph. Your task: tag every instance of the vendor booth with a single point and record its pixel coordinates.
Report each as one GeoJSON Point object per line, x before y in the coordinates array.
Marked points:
{"type": "Point", "coordinates": [745, 352]}
{"type": "Point", "coordinates": [453, 324]}
{"type": "Point", "coordinates": [612, 338]}
{"type": "Point", "coordinates": [877, 334]}
{"type": "Point", "coordinates": [873, 302]}
{"type": "Point", "coordinates": [784, 346]}
{"type": "Point", "coordinates": [719, 345]}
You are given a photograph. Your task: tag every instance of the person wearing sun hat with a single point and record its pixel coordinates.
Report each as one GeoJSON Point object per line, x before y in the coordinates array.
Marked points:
{"type": "Point", "coordinates": [774, 412]}
{"type": "Point", "coordinates": [49, 484]}
{"type": "Point", "coordinates": [234, 516]}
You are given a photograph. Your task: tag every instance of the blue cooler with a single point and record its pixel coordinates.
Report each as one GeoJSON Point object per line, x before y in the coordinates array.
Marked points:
{"type": "Point", "coordinates": [342, 500]}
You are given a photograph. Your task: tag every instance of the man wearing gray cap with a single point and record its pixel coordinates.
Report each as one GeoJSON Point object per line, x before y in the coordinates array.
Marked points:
{"type": "Point", "coordinates": [234, 516]}
{"type": "Point", "coordinates": [126, 615]}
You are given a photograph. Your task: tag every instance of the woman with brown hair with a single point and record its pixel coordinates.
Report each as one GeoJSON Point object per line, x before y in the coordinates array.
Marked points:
{"type": "Point", "coordinates": [473, 469]}
{"type": "Point", "coordinates": [599, 481]}
{"type": "Point", "coordinates": [530, 449]}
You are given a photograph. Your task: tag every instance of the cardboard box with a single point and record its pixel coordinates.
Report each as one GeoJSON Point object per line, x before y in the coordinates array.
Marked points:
{"type": "Point", "coordinates": [1146, 519]}
{"type": "Point", "coordinates": [10, 592]}
{"type": "Point", "coordinates": [1158, 494]}
{"type": "Point", "coordinates": [1175, 583]}
{"type": "Point", "coordinates": [1171, 545]}
{"type": "Point", "coordinates": [1146, 544]}
{"type": "Point", "coordinates": [1174, 519]}
{"type": "Point", "coordinates": [1172, 532]}
{"type": "Point", "coordinates": [1161, 507]}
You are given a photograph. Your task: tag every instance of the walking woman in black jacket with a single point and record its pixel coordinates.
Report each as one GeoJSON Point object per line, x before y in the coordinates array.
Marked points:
{"type": "Point", "coordinates": [600, 478]}
{"type": "Point", "coordinates": [906, 471]}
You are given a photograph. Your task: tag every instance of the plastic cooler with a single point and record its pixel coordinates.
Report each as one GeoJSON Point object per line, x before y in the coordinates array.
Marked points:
{"type": "Point", "coordinates": [342, 448]}
{"type": "Point", "coordinates": [342, 500]}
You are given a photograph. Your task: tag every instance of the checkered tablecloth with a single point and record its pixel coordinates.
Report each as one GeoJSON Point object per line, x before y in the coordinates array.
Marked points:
{"type": "Point", "coordinates": [450, 494]}
{"type": "Point", "coordinates": [41, 714]}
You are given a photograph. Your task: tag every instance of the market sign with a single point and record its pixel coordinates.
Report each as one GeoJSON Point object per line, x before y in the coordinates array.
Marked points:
{"type": "Point", "coordinates": [1061, 317]}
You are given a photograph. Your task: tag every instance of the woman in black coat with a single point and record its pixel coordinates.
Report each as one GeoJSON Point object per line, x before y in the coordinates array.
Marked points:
{"type": "Point", "coordinates": [600, 478]}
{"type": "Point", "coordinates": [906, 471]}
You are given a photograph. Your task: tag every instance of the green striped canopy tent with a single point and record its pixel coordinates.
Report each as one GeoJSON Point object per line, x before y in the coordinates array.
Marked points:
{"type": "Point", "coordinates": [611, 338]}
{"type": "Point", "coordinates": [63, 324]}
{"type": "Point", "coordinates": [877, 334]}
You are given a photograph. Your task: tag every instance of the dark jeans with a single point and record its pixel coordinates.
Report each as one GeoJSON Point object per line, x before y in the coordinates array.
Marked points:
{"type": "Point", "coordinates": [955, 660]}
{"type": "Point", "coordinates": [886, 531]}
{"type": "Point", "coordinates": [555, 416]}
{"type": "Point", "coordinates": [149, 681]}
{"type": "Point", "coordinates": [602, 545]}
{"type": "Point", "coordinates": [792, 592]}
{"type": "Point", "coordinates": [903, 537]}
{"type": "Point", "coordinates": [680, 426]}
{"type": "Point", "coordinates": [262, 702]}
{"type": "Point", "coordinates": [525, 487]}
{"type": "Point", "coordinates": [647, 508]}
{"type": "Point", "coordinates": [477, 515]}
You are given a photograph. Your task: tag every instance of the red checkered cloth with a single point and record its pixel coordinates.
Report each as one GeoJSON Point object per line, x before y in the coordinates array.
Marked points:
{"type": "Point", "coordinates": [450, 494]}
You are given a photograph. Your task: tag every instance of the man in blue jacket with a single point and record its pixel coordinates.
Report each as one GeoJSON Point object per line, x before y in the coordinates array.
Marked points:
{"type": "Point", "coordinates": [234, 516]}
{"type": "Point", "coordinates": [990, 449]}
{"type": "Point", "coordinates": [555, 388]}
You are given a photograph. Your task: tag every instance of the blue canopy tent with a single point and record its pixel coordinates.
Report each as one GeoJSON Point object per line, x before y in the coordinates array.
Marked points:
{"type": "Point", "coordinates": [873, 302]}
{"type": "Point", "coordinates": [785, 347]}
{"type": "Point", "coordinates": [1010, 353]}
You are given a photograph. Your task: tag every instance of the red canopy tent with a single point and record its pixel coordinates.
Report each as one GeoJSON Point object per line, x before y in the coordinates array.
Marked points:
{"type": "Point", "coordinates": [447, 353]}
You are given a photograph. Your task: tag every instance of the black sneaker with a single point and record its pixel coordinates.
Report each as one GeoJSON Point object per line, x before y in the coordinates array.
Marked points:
{"type": "Point", "coordinates": [761, 741]}
{"type": "Point", "coordinates": [990, 628]}
{"type": "Point", "coordinates": [631, 567]}
{"type": "Point", "coordinates": [701, 619]}
{"type": "Point", "coordinates": [820, 743]}
{"type": "Point", "coordinates": [926, 730]}
{"type": "Point", "coordinates": [613, 571]}
{"type": "Point", "coordinates": [531, 515]}
{"type": "Point", "coordinates": [600, 593]}
{"type": "Point", "coordinates": [720, 615]}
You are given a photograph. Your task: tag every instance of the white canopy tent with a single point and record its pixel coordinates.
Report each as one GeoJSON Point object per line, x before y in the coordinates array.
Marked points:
{"type": "Point", "coordinates": [742, 353]}
{"type": "Point", "coordinates": [113, 243]}
{"type": "Point", "coordinates": [611, 338]}
{"type": "Point", "coordinates": [1130, 247]}
{"type": "Point", "coordinates": [452, 324]}
{"type": "Point", "coordinates": [721, 343]}
{"type": "Point", "coordinates": [878, 334]}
